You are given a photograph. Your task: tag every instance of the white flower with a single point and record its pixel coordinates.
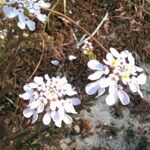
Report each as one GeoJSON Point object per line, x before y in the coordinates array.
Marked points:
{"type": "Point", "coordinates": [55, 62]}
{"type": "Point", "coordinates": [119, 70]}
{"type": "Point", "coordinates": [72, 57]}
{"type": "Point", "coordinates": [51, 95]}
{"type": "Point", "coordinates": [135, 82]}
{"type": "Point", "coordinates": [24, 10]}
{"type": "Point", "coordinates": [117, 92]}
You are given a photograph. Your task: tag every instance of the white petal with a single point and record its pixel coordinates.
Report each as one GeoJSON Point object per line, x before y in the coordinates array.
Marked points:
{"type": "Point", "coordinates": [100, 92]}
{"type": "Point", "coordinates": [92, 88]}
{"type": "Point", "coordinates": [27, 88]}
{"type": "Point", "coordinates": [123, 96]}
{"type": "Point", "coordinates": [96, 75]}
{"type": "Point", "coordinates": [106, 62]}
{"type": "Point", "coordinates": [34, 104]}
{"type": "Point", "coordinates": [133, 87]}
{"type": "Point", "coordinates": [46, 119]}
{"type": "Point", "coordinates": [58, 123]}
{"type": "Point", "coordinates": [44, 5]}
{"type": "Point", "coordinates": [113, 87]}
{"type": "Point", "coordinates": [21, 25]}
{"type": "Point", "coordinates": [41, 17]}
{"type": "Point", "coordinates": [22, 18]}
{"type": "Point", "coordinates": [95, 65]}
{"type": "Point", "coordinates": [31, 25]}
{"type": "Point", "coordinates": [40, 108]}
{"type": "Point", "coordinates": [67, 119]}
{"type": "Point", "coordinates": [114, 52]}
{"type": "Point", "coordinates": [53, 105]}
{"type": "Point", "coordinates": [104, 82]}
{"type": "Point", "coordinates": [28, 112]}
{"type": "Point", "coordinates": [38, 80]}
{"type": "Point", "coordinates": [9, 11]}
{"type": "Point", "coordinates": [69, 108]}
{"type": "Point", "coordinates": [139, 69]}
{"type": "Point", "coordinates": [131, 59]}
{"type": "Point", "coordinates": [72, 57]}
{"type": "Point", "coordinates": [25, 96]}
{"type": "Point", "coordinates": [141, 79]}
{"type": "Point", "coordinates": [33, 85]}
{"type": "Point", "coordinates": [109, 57]}
{"type": "Point", "coordinates": [124, 53]}
{"type": "Point", "coordinates": [111, 99]}
{"type": "Point", "coordinates": [75, 101]}
{"type": "Point", "coordinates": [71, 92]}
{"type": "Point", "coordinates": [34, 117]}
{"type": "Point", "coordinates": [140, 93]}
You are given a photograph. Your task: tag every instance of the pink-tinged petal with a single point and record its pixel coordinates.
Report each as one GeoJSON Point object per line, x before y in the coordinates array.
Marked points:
{"type": "Point", "coordinates": [34, 117]}
{"type": "Point", "coordinates": [92, 88]}
{"type": "Point", "coordinates": [67, 119]}
{"type": "Point", "coordinates": [141, 79]}
{"type": "Point", "coordinates": [40, 109]}
{"type": "Point", "coordinates": [28, 112]}
{"type": "Point", "coordinates": [96, 75]}
{"type": "Point", "coordinates": [133, 87]}
{"type": "Point", "coordinates": [53, 105]}
{"type": "Point", "coordinates": [33, 85]}
{"type": "Point", "coordinates": [75, 101]}
{"type": "Point", "coordinates": [104, 82]}
{"type": "Point", "coordinates": [61, 113]}
{"type": "Point", "coordinates": [47, 119]}
{"type": "Point", "coordinates": [34, 104]}
{"type": "Point", "coordinates": [31, 25]}
{"type": "Point", "coordinates": [131, 59]}
{"type": "Point", "coordinates": [95, 65]}
{"type": "Point", "coordinates": [124, 53]}
{"type": "Point", "coordinates": [100, 92]}
{"type": "Point", "coordinates": [111, 99]}
{"type": "Point", "coordinates": [38, 80]}
{"type": "Point", "coordinates": [114, 52]}
{"type": "Point", "coordinates": [25, 96]}
{"type": "Point", "coordinates": [123, 96]}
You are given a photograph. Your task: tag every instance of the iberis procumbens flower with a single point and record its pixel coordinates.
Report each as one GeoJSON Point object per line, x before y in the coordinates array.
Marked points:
{"type": "Point", "coordinates": [25, 10]}
{"type": "Point", "coordinates": [53, 97]}
{"type": "Point", "coordinates": [118, 71]}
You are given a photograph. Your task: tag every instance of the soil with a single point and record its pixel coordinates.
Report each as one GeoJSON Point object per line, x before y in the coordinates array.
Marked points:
{"type": "Point", "coordinates": [127, 27]}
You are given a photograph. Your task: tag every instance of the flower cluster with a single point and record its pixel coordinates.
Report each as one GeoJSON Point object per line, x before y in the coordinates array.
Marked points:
{"type": "Point", "coordinates": [119, 69]}
{"type": "Point", "coordinates": [24, 10]}
{"type": "Point", "coordinates": [53, 97]}
{"type": "Point", "coordinates": [87, 47]}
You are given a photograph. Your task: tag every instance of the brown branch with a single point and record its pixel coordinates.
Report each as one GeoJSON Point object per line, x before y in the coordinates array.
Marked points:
{"type": "Point", "coordinates": [72, 21]}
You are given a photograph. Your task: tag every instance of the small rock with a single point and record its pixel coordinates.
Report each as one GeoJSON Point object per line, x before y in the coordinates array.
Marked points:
{"type": "Point", "coordinates": [77, 129]}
